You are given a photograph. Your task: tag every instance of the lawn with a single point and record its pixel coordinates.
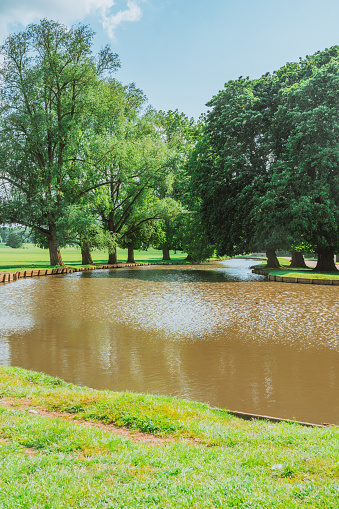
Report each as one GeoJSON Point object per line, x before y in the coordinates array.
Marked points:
{"type": "Point", "coordinates": [287, 271]}
{"type": "Point", "coordinates": [63, 446]}
{"type": "Point", "coordinates": [30, 256]}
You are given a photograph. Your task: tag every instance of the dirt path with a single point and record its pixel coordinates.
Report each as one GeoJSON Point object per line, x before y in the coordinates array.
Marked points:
{"type": "Point", "coordinates": [24, 405]}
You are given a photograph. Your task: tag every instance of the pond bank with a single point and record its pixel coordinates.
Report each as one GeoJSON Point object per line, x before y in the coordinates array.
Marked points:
{"type": "Point", "coordinates": [64, 446]}
{"type": "Point", "coordinates": [297, 276]}
{"type": "Point", "coordinates": [8, 277]}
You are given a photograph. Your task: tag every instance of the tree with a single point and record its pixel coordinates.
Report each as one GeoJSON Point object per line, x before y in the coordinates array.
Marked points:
{"type": "Point", "coordinates": [229, 166]}
{"type": "Point", "coordinates": [13, 240]}
{"type": "Point", "coordinates": [47, 80]}
{"type": "Point", "coordinates": [265, 169]}
{"type": "Point", "coordinates": [297, 260]}
{"type": "Point", "coordinates": [180, 134]}
{"type": "Point", "coordinates": [81, 227]}
{"type": "Point", "coordinates": [144, 226]}
{"type": "Point", "coordinates": [136, 163]}
{"type": "Point", "coordinates": [308, 164]}
{"type": "Point", "coordinates": [192, 237]}
{"type": "Point", "coordinates": [3, 234]}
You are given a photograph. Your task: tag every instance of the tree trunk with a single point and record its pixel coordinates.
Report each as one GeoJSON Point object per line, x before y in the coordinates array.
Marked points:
{"type": "Point", "coordinates": [112, 257]}
{"type": "Point", "coordinates": [272, 260]}
{"type": "Point", "coordinates": [297, 260]}
{"type": "Point", "coordinates": [189, 258]}
{"type": "Point", "coordinates": [86, 257]}
{"type": "Point", "coordinates": [54, 251]}
{"type": "Point", "coordinates": [326, 261]}
{"type": "Point", "coordinates": [165, 253]}
{"type": "Point", "coordinates": [130, 257]}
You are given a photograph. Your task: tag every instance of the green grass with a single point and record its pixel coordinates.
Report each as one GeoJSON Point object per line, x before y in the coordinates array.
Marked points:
{"type": "Point", "coordinates": [287, 271]}
{"type": "Point", "coordinates": [47, 462]}
{"type": "Point", "coordinates": [30, 256]}
{"type": "Point", "coordinates": [305, 273]}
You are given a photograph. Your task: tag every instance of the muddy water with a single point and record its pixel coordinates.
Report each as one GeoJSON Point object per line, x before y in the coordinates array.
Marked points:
{"type": "Point", "coordinates": [213, 333]}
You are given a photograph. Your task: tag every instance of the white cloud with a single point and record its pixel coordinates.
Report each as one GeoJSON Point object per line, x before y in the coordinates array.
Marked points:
{"type": "Point", "coordinates": [66, 11]}
{"type": "Point", "coordinates": [111, 21]}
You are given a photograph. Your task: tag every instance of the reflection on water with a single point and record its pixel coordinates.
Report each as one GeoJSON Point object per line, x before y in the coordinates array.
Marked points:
{"type": "Point", "coordinates": [221, 272]}
{"type": "Point", "coordinates": [202, 332]}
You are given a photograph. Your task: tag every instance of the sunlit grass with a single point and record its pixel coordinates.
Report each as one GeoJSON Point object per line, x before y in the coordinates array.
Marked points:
{"type": "Point", "coordinates": [305, 273]}
{"type": "Point", "coordinates": [215, 460]}
{"type": "Point", "coordinates": [287, 271]}
{"type": "Point", "coordinates": [33, 257]}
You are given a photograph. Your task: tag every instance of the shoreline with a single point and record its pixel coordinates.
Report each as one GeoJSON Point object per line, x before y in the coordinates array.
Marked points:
{"type": "Point", "coordinates": [64, 446]}
{"type": "Point", "coordinates": [34, 378]}
{"type": "Point", "coordinates": [296, 279]}
{"type": "Point", "coordinates": [9, 277]}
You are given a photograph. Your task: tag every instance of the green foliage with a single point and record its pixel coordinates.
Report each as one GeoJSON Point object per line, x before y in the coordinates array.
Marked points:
{"type": "Point", "coordinates": [227, 166]}
{"type": "Point", "coordinates": [266, 167]}
{"type": "Point", "coordinates": [3, 234]}
{"type": "Point", "coordinates": [48, 75]}
{"type": "Point", "coordinates": [190, 235]}
{"type": "Point", "coordinates": [13, 240]}
{"type": "Point", "coordinates": [309, 156]}
{"type": "Point", "coordinates": [181, 134]}
{"type": "Point", "coordinates": [138, 169]}
{"type": "Point", "coordinates": [83, 159]}
{"type": "Point", "coordinates": [303, 247]}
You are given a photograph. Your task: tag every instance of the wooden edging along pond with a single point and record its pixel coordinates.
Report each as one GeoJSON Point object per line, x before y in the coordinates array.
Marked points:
{"type": "Point", "coordinates": [301, 280]}
{"type": "Point", "coordinates": [250, 417]}
{"type": "Point", "coordinates": [8, 277]}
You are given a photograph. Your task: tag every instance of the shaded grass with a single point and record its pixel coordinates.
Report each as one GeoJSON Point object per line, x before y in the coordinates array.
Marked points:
{"type": "Point", "coordinates": [305, 273]}
{"type": "Point", "coordinates": [287, 271]}
{"type": "Point", "coordinates": [50, 463]}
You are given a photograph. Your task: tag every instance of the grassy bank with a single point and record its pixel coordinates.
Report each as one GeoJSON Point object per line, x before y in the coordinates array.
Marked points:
{"type": "Point", "coordinates": [32, 257]}
{"type": "Point", "coordinates": [151, 451]}
{"type": "Point", "coordinates": [287, 271]}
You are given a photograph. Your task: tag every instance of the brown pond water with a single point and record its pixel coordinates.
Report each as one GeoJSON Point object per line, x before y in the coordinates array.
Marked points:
{"type": "Point", "coordinates": [213, 333]}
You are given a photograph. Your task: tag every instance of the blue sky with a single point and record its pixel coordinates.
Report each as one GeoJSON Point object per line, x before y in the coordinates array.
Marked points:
{"type": "Point", "coordinates": [181, 52]}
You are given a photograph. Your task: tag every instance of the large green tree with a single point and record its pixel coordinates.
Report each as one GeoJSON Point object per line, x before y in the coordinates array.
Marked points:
{"type": "Point", "coordinates": [136, 162]}
{"type": "Point", "coordinates": [48, 76]}
{"type": "Point", "coordinates": [307, 170]}
{"type": "Point", "coordinates": [266, 168]}
{"type": "Point", "coordinates": [229, 166]}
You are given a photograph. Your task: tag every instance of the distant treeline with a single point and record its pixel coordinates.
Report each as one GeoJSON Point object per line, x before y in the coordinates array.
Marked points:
{"type": "Point", "coordinates": [15, 237]}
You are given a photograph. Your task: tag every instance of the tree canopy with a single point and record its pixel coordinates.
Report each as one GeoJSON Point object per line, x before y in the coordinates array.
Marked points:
{"type": "Point", "coordinates": [266, 169]}
{"type": "Point", "coordinates": [47, 79]}
{"type": "Point", "coordinates": [84, 159]}
{"type": "Point", "coordinates": [79, 150]}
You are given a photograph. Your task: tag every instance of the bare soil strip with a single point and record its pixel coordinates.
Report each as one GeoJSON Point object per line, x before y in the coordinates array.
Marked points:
{"type": "Point", "coordinates": [24, 405]}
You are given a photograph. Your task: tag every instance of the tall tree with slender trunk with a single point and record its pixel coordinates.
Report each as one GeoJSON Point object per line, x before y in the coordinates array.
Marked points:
{"type": "Point", "coordinates": [47, 79]}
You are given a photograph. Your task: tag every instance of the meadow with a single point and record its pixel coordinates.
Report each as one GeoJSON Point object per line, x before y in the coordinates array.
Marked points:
{"type": "Point", "coordinates": [30, 256]}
